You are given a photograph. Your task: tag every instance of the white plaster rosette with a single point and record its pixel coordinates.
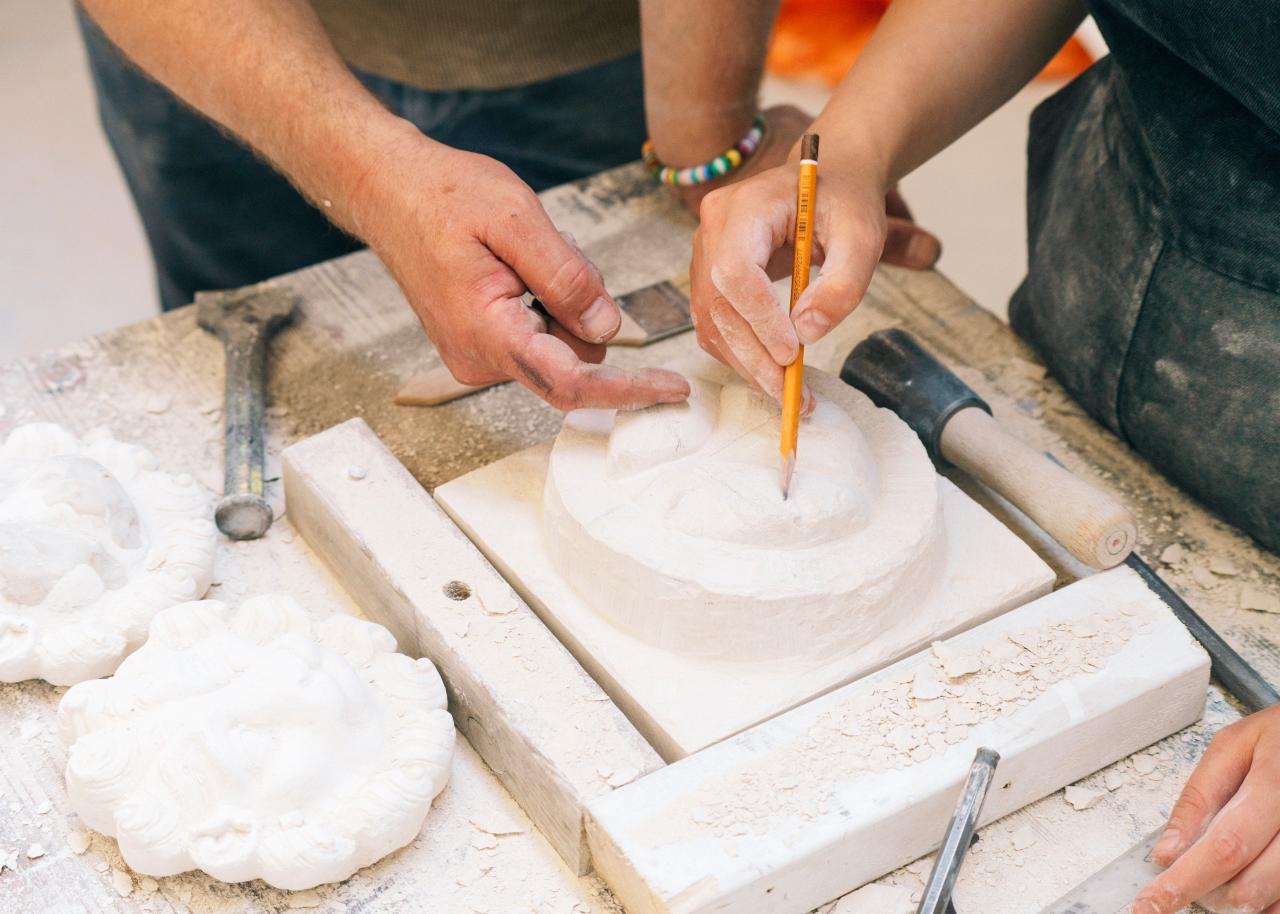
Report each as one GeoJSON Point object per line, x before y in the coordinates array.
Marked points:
{"type": "Point", "coordinates": [670, 521]}
{"type": "Point", "coordinates": [256, 744]}
{"type": "Point", "coordinates": [94, 541]}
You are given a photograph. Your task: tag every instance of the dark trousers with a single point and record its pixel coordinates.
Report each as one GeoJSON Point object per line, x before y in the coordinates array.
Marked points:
{"type": "Point", "coordinates": [217, 216]}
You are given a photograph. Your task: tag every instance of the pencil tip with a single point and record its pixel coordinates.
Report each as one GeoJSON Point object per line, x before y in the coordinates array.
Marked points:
{"type": "Point", "coordinates": [786, 469]}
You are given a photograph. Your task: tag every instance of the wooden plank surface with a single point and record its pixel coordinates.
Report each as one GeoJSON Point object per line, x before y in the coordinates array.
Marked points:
{"type": "Point", "coordinates": [355, 343]}
{"type": "Point", "coordinates": [544, 727]}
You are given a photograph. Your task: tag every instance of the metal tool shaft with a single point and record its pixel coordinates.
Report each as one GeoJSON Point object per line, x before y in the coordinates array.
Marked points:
{"type": "Point", "coordinates": [959, 835]}
{"type": "Point", "coordinates": [244, 320]}
{"type": "Point", "coordinates": [1234, 672]}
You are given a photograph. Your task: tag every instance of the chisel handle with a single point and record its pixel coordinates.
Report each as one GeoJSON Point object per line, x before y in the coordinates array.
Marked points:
{"type": "Point", "coordinates": [1093, 526]}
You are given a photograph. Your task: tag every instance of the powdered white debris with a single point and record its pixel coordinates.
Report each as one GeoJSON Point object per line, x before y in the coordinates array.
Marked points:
{"type": "Point", "coordinates": [876, 899]}
{"type": "Point", "coordinates": [34, 851]}
{"type": "Point", "coordinates": [1259, 600]}
{"type": "Point", "coordinates": [1081, 798]}
{"type": "Point", "coordinates": [356, 472]}
{"type": "Point", "coordinates": [497, 825]}
{"type": "Point", "coordinates": [1223, 566]}
{"type": "Point", "coordinates": [1173, 554]}
{"type": "Point", "coordinates": [122, 882]}
{"type": "Point", "coordinates": [1023, 838]}
{"type": "Point", "coordinates": [147, 885]}
{"type": "Point", "coordinates": [8, 860]}
{"type": "Point", "coordinates": [309, 898]}
{"type": "Point", "coordinates": [1203, 576]}
{"type": "Point", "coordinates": [926, 686]}
{"type": "Point", "coordinates": [622, 776]}
{"type": "Point", "coordinates": [159, 402]}
{"type": "Point", "coordinates": [78, 841]}
{"type": "Point", "coordinates": [1114, 780]}
{"type": "Point", "coordinates": [483, 842]}
{"type": "Point", "coordinates": [956, 663]}
{"type": "Point", "coordinates": [1144, 764]}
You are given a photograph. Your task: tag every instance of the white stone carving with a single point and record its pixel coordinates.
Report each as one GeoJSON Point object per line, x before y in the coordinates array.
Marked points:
{"type": "Point", "coordinates": [670, 521]}
{"type": "Point", "coordinates": [94, 541]}
{"type": "Point", "coordinates": [257, 744]}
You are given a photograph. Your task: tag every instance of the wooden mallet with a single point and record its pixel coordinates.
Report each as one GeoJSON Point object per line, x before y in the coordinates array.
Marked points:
{"type": "Point", "coordinates": [957, 428]}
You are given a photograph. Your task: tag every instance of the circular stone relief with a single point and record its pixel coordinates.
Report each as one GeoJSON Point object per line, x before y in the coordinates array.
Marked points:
{"type": "Point", "coordinates": [94, 541]}
{"type": "Point", "coordinates": [256, 744]}
{"type": "Point", "coordinates": [670, 521]}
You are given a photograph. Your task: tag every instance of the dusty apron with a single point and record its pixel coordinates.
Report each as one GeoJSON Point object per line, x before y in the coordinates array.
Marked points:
{"type": "Point", "coordinates": [1153, 212]}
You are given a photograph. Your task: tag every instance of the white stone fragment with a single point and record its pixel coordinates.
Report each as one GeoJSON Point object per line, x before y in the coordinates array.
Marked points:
{"type": "Point", "coordinates": [147, 885]}
{"type": "Point", "coordinates": [78, 841]}
{"type": "Point", "coordinates": [496, 824]}
{"type": "Point", "coordinates": [1173, 554]}
{"type": "Point", "coordinates": [1081, 798]}
{"type": "Point", "coordinates": [1023, 837]}
{"type": "Point", "coordinates": [356, 472]}
{"type": "Point", "coordinates": [1220, 565]}
{"type": "Point", "coordinates": [876, 898]}
{"type": "Point", "coordinates": [1114, 779]}
{"type": "Point", "coordinates": [122, 882]}
{"type": "Point", "coordinates": [284, 701]}
{"type": "Point", "coordinates": [1144, 764]}
{"type": "Point", "coordinates": [622, 777]}
{"type": "Point", "coordinates": [309, 898]}
{"type": "Point", "coordinates": [34, 851]}
{"type": "Point", "coordinates": [925, 686]}
{"type": "Point", "coordinates": [1203, 577]}
{"type": "Point", "coordinates": [1259, 600]}
{"type": "Point", "coordinates": [159, 402]}
{"type": "Point", "coordinates": [956, 664]}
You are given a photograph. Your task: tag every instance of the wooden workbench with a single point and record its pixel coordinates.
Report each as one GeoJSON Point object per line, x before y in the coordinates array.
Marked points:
{"type": "Point", "coordinates": [159, 382]}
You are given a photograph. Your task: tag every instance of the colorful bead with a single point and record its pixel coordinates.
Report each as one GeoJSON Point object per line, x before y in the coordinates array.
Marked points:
{"type": "Point", "coordinates": [721, 165]}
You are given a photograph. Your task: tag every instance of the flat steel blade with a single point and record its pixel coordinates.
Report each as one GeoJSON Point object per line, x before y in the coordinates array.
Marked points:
{"type": "Point", "coordinates": [1112, 888]}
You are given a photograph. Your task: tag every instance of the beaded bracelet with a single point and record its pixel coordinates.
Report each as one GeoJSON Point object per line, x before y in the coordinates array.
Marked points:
{"type": "Point", "coordinates": [727, 161]}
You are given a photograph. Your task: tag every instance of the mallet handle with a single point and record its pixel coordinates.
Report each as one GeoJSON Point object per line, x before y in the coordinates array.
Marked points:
{"type": "Point", "coordinates": [1094, 527]}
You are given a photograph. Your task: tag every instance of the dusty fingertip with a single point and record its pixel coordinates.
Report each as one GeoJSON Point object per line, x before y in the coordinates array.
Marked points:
{"type": "Point", "coordinates": [669, 386]}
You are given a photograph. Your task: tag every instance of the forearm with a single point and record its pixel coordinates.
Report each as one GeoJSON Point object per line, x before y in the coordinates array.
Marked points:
{"type": "Point", "coordinates": [934, 69]}
{"type": "Point", "coordinates": [702, 74]}
{"type": "Point", "coordinates": [266, 71]}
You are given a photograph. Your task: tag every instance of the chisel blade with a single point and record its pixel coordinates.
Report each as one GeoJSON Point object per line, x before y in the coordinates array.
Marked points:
{"type": "Point", "coordinates": [1112, 888]}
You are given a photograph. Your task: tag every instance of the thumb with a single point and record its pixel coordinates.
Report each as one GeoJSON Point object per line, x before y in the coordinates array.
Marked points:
{"type": "Point", "coordinates": [563, 279]}
{"type": "Point", "coordinates": [846, 274]}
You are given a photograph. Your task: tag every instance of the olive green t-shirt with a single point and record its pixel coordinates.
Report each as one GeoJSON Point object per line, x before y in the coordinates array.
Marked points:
{"type": "Point", "coordinates": [479, 44]}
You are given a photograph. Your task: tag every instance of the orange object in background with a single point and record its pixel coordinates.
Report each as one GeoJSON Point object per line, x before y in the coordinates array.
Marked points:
{"type": "Point", "coordinates": [822, 38]}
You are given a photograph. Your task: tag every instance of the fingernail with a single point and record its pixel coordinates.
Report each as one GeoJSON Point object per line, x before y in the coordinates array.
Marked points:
{"type": "Point", "coordinates": [600, 320]}
{"type": "Point", "coordinates": [812, 326]}
{"type": "Point", "coordinates": [1144, 906]}
{"type": "Point", "coordinates": [923, 249]}
{"type": "Point", "coordinates": [1166, 847]}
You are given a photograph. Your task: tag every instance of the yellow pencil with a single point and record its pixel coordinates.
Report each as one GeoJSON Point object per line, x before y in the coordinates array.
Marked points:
{"type": "Point", "coordinates": [793, 378]}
